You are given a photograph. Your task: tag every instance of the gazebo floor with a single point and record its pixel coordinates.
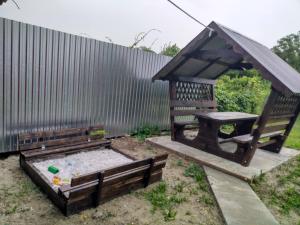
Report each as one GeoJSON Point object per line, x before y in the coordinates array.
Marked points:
{"type": "Point", "coordinates": [262, 162]}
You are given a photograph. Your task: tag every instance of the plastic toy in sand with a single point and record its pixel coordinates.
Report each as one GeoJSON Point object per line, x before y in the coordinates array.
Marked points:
{"type": "Point", "coordinates": [53, 169]}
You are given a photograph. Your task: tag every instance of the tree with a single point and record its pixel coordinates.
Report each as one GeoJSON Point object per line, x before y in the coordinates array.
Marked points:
{"type": "Point", "coordinates": [288, 48]}
{"type": "Point", "coordinates": [170, 50]}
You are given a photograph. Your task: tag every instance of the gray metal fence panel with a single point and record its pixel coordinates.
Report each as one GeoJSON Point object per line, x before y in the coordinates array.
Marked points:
{"type": "Point", "coordinates": [52, 80]}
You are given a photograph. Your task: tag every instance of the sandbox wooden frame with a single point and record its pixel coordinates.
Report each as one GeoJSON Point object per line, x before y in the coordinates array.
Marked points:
{"type": "Point", "coordinates": [89, 190]}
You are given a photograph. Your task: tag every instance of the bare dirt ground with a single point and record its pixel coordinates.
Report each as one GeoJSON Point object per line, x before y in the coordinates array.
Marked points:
{"type": "Point", "coordinates": [21, 202]}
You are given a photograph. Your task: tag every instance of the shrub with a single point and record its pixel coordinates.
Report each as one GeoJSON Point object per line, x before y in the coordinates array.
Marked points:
{"type": "Point", "coordinates": [145, 131]}
{"type": "Point", "coordinates": [246, 93]}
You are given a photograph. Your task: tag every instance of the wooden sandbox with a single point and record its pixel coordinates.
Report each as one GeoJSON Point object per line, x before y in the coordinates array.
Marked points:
{"type": "Point", "coordinates": [93, 188]}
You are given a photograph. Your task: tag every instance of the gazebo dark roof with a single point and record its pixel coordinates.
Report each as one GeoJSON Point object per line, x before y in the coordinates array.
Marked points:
{"type": "Point", "coordinates": [213, 52]}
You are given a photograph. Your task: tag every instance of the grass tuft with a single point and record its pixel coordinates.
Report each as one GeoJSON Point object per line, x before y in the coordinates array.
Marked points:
{"type": "Point", "coordinates": [146, 131]}
{"type": "Point", "coordinates": [198, 174]}
{"type": "Point", "coordinates": [166, 203]}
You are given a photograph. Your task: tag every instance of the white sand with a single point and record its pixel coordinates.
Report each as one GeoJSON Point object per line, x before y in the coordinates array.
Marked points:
{"type": "Point", "coordinates": [80, 164]}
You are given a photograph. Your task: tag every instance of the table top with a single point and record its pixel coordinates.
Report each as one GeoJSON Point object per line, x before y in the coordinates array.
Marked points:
{"type": "Point", "coordinates": [226, 116]}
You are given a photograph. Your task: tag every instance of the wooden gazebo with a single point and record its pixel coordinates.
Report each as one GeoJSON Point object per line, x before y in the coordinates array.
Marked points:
{"type": "Point", "coordinates": [192, 74]}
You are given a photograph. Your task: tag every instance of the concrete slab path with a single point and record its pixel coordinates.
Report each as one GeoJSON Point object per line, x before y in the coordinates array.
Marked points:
{"type": "Point", "coordinates": [262, 162]}
{"type": "Point", "coordinates": [237, 201]}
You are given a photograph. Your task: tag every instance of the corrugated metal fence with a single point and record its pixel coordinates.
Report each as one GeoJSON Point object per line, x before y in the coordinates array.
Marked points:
{"type": "Point", "coordinates": [50, 80]}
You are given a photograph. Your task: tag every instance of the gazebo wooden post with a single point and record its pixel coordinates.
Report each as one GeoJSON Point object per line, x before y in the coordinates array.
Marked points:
{"type": "Point", "coordinates": [251, 147]}
{"type": "Point", "coordinates": [172, 93]}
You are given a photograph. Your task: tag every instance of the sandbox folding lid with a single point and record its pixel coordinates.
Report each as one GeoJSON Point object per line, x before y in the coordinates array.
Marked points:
{"type": "Point", "coordinates": [218, 49]}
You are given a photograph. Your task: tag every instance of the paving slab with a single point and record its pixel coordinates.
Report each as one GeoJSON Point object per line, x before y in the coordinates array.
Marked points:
{"type": "Point", "coordinates": [237, 201]}
{"type": "Point", "coordinates": [262, 162]}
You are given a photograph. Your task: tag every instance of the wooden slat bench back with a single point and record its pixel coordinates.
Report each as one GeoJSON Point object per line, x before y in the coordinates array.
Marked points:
{"type": "Point", "coordinates": [58, 138]}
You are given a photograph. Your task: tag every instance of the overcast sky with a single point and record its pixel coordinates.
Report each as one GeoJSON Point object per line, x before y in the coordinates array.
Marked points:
{"type": "Point", "coordinates": [263, 20]}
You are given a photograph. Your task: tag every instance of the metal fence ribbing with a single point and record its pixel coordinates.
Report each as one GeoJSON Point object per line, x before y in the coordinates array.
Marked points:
{"type": "Point", "coordinates": [50, 79]}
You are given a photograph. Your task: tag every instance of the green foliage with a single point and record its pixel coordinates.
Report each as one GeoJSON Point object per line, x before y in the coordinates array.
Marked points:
{"type": "Point", "coordinates": [160, 199]}
{"type": "Point", "coordinates": [99, 132]}
{"type": "Point", "coordinates": [245, 92]}
{"type": "Point", "coordinates": [289, 200]}
{"type": "Point", "coordinates": [207, 200]}
{"type": "Point", "coordinates": [288, 48]}
{"type": "Point", "coordinates": [293, 140]}
{"type": "Point", "coordinates": [179, 162]}
{"type": "Point", "coordinates": [258, 179]}
{"type": "Point", "coordinates": [170, 50]}
{"type": "Point", "coordinates": [197, 173]}
{"type": "Point", "coordinates": [145, 131]}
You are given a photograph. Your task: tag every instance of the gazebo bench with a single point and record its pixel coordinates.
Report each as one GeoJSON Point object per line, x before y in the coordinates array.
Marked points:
{"type": "Point", "coordinates": [244, 140]}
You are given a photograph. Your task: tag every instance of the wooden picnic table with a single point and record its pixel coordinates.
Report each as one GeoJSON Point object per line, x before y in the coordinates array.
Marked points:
{"type": "Point", "coordinates": [210, 135]}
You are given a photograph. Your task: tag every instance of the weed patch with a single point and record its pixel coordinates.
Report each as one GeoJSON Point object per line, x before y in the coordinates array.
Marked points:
{"type": "Point", "coordinates": [198, 174]}
{"type": "Point", "coordinates": [160, 199]}
{"type": "Point", "coordinates": [146, 131]}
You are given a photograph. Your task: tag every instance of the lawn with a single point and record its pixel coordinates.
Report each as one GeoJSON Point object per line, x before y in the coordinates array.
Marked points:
{"type": "Point", "coordinates": [294, 139]}
{"type": "Point", "coordinates": [280, 191]}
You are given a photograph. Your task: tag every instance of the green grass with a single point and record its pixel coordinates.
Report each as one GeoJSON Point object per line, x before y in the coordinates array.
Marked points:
{"type": "Point", "coordinates": [197, 173]}
{"type": "Point", "coordinates": [293, 140]}
{"type": "Point", "coordinates": [283, 190]}
{"type": "Point", "coordinates": [164, 201]}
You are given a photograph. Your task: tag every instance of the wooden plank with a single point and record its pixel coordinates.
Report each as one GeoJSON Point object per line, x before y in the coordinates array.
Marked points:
{"type": "Point", "coordinates": [193, 80]}
{"type": "Point", "coordinates": [270, 129]}
{"type": "Point", "coordinates": [115, 178]}
{"type": "Point", "coordinates": [262, 144]}
{"type": "Point", "coordinates": [226, 116]}
{"type": "Point", "coordinates": [115, 189]}
{"type": "Point", "coordinates": [58, 133]}
{"type": "Point", "coordinates": [248, 137]}
{"type": "Point", "coordinates": [87, 201]}
{"type": "Point", "coordinates": [115, 170]}
{"type": "Point", "coordinates": [54, 143]}
{"type": "Point", "coordinates": [67, 149]}
{"type": "Point", "coordinates": [287, 116]}
{"type": "Point", "coordinates": [161, 157]}
{"type": "Point", "coordinates": [201, 104]}
{"type": "Point", "coordinates": [123, 153]}
{"type": "Point", "coordinates": [278, 120]}
{"type": "Point", "coordinates": [187, 112]}
{"type": "Point", "coordinates": [93, 176]}
{"type": "Point", "coordinates": [81, 191]}
{"type": "Point", "coordinates": [140, 168]}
